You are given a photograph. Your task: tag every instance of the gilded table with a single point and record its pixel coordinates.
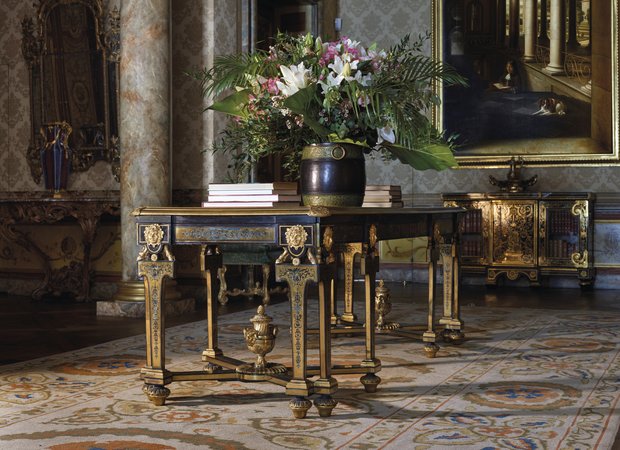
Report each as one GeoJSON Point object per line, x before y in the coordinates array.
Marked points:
{"type": "Point", "coordinates": [308, 237]}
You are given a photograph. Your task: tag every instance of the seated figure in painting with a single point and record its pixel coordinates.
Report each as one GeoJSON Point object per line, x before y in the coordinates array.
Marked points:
{"type": "Point", "coordinates": [510, 81]}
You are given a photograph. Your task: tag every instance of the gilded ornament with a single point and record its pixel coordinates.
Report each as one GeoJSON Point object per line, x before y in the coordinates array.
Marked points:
{"type": "Point", "coordinates": [296, 237]}
{"type": "Point", "coordinates": [319, 211]}
{"type": "Point", "coordinates": [372, 237]}
{"type": "Point", "coordinates": [328, 243]}
{"type": "Point", "coordinates": [156, 394]}
{"type": "Point", "coordinates": [260, 339]}
{"type": "Point", "coordinates": [580, 208]}
{"type": "Point", "coordinates": [437, 234]}
{"type": "Point", "coordinates": [580, 259]}
{"type": "Point", "coordinates": [383, 306]}
{"type": "Point", "coordinates": [143, 254]}
{"type": "Point", "coordinates": [153, 235]}
{"type": "Point", "coordinates": [513, 181]}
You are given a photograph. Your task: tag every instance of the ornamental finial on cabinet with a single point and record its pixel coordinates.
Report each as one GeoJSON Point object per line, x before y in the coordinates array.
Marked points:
{"type": "Point", "coordinates": [513, 181]}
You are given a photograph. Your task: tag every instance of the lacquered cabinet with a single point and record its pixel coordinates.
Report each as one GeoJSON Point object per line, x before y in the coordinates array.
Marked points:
{"type": "Point", "coordinates": [528, 235]}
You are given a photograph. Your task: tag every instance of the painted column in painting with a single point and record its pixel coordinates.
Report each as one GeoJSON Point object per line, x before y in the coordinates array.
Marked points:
{"type": "Point", "coordinates": [513, 28]}
{"type": "Point", "coordinates": [145, 120]}
{"type": "Point", "coordinates": [543, 38]}
{"type": "Point", "coordinates": [529, 52]}
{"type": "Point", "coordinates": [557, 42]}
{"type": "Point", "coordinates": [572, 44]}
{"type": "Point", "coordinates": [500, 38]}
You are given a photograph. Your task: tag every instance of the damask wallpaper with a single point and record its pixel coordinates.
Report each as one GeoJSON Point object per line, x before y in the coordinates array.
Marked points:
{"type": "Point", "coordinates": [200, 31]}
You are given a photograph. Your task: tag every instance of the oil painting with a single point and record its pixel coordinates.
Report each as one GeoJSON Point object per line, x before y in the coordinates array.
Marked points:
{"type": "Point", "coordinates": [542, 80]}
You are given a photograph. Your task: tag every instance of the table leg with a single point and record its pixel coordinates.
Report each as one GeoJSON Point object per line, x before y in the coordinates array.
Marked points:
{"type": "Point", "coordinates": [210, 264]}
{"type": "Point", "coordinates": [349, 252]}
{"type": "Point", "coordinates": [430, 336]}
{"type": "Point", "coordinates": [154, 374]}
{"type": "Point", "coordinates": [451, 314]}
{"type": "Point", "coordinates": [297, 277]}
{"type": "Point", "coordinates": [369, 267]}
{"type": "Point", "coordinates": [326, 385]}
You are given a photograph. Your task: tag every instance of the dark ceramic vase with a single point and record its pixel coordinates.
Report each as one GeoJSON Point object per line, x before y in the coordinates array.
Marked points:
{"type": "Point", "coordinates": [332, 174]}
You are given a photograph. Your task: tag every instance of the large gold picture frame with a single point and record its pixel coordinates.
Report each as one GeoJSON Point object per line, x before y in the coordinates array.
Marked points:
{"type": "Point", "coordinates": [491, 127]}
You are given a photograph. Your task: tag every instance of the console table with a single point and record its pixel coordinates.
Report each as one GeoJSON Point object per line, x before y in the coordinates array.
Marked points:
{"type": "Point", "coordinates": [28, 208]}
{"type": "Point", "coordinates": [308, 238]}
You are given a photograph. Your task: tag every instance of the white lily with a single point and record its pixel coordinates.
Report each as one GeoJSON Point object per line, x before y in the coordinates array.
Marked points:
{"type": "Point", "coordinates": [385, 134]}
{"type": "Point", "coordinates": [364, 80]}
{"type": "Point", "coordinates": [344, 66]}
{"type": "Point", "coordinates": [294, 77]}
{"type": "Point", "coordinates": [330, 81]}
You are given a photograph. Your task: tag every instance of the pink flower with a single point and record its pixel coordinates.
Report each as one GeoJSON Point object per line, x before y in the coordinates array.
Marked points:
{"type": "Point", "coordinates": [271, 86]}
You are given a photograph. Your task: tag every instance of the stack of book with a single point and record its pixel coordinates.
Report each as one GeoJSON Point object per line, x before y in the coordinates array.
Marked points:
{"type": "Point", "coordinates": [383, 196]}
{"type": "Point", "coordinates": [258, 195]}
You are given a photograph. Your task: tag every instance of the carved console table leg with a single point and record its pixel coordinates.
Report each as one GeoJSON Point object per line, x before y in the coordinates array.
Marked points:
{"type": "Point", "coordinates": [222, 295]}
{"type": "Point", "coordinates": [211, 265]}
{"type": "Point", "coordinates": [451, 319]}
{"type": "Point", "coordinates": [430, 336]}
{"type": "Point", "coordinates": [88, 223]}
{"type": "Point", "coordinates": [326, 385]}
{"type": "Point", "coordinates": [369, 267]}
{"type": "Point", "coordinates": [297, 276]}
{"type": "Point", "coordinates": [349, 252]}
{"type": "Point", "coordinates": [154, 374]}
{"type": "Point", "coordinates": [266, 269]}
{"type": "Point", "coordinates": [12, 235]}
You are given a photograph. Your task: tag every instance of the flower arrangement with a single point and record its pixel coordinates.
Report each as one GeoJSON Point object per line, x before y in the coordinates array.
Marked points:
{"type": "Point", "coordinates": [304, 91]}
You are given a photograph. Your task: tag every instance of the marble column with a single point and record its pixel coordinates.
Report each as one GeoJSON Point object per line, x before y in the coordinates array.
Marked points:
{"type": "Point", "coordinates": [558, 40]}
{"type": "Point", "coordinates": [145, 116]}
{"type": "Point", "coordinates": [529, 51]}
{"type": "Point", "coordinates": [145, 134]}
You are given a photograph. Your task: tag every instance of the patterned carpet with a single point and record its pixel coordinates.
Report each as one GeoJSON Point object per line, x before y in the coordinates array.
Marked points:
{"type": "Point", "coordinates": [524, 379]}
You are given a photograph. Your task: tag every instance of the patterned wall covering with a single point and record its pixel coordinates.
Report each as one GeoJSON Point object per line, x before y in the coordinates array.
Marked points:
{"type": "Point", "coordinates": [201, 30]}
{"type": "Point", "coordinates": [4, 123]}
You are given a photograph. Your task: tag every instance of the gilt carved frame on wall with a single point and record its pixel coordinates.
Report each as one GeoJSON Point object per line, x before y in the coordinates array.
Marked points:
{"type": "Point", "coordinates": [492, 125]}
{"type": "Point", "coordinates": [72, 50]}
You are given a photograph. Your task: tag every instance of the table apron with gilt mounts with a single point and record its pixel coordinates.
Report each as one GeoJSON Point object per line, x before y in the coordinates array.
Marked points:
{"type": "Point", "coordinates": [309, 238]}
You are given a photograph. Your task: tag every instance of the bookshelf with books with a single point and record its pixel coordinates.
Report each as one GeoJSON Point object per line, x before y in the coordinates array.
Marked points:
{"type": "Point", "coordinates": [531, 235]}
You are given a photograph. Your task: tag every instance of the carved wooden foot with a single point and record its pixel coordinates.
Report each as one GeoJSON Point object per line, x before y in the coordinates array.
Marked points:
{"type": "Point", "coordinates": [325, 404]}
{"type": "Point", "coordinates": [431, 349]}
{"type": "Point", "coordinates": [156, 394]}
{"type": "Point", "coordinates": [212, 368]}
{"type": "Point", "coordinates": [455, 337]}
{"type": "Point", "coordinates": [370, 382]}
{"type": "Point", "coordinates": [300, 407]}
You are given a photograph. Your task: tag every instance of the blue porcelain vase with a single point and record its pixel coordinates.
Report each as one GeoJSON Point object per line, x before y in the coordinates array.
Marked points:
{"type": "Point", "coordinates": [56, 156]}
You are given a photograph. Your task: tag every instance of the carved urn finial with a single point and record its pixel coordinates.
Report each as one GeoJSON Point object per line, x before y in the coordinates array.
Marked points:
{"type": "Point", "coordinates": [513, 181]}
{"type": "Point", "coordinates": [260, 339]}
{"type": "Point", "coordinates": [383, 306]}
